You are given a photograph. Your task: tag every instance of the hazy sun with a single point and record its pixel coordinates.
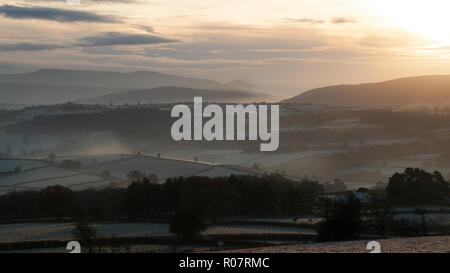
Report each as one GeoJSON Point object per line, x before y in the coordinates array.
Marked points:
{"type": "Point", "coordinates": [429, 18]}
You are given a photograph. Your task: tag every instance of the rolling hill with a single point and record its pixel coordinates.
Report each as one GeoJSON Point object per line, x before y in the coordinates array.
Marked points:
{"type": "Point", "coordinates": [172, 94]}
{"type": "Point", "coordinates": [37, 93]}
{"type": "Point", "coordinates": [132, 80]}
{"type": "Point", "coordinates": [39, 174]}
{"type": "Point", "coordinates": [51, 86]}
{"type": "Point", "coordinates": [421, 90]}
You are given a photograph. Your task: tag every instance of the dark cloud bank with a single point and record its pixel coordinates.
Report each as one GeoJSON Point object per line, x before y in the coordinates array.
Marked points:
{"type": "Point", "coordinates": [54, 14]}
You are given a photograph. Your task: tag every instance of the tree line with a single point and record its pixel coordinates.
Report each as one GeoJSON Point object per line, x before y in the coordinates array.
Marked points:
{"type": "Point", "coordinates": [211, 198]}
{"type": "Point", "coordinates": [192, 203]}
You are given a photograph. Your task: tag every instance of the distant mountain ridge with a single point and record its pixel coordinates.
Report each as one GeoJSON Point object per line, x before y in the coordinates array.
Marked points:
{"type": "Point", "coordinates": [420, 90]}
{"type": "Point", "coordinates": [36, 93]}
{"type": "Point", "coordinates": [170, 94]}
{"type": "Point", "coordinates": [132, 80]}
{"type": "Point", "coordinates": [50, 86]}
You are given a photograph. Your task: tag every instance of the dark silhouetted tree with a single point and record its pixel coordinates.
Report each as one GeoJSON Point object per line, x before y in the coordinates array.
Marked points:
{"type": "Point", "coordinates": [135, 175]}
{"type": "Point", "coordinates": [342, 219]}
{"type": "Point", "coordinates": [85, 234]}
{"type": "Point", "coordinates": [417, 186]}
{"type": "Point", "coordinates": [187, 225]}
{"type": "Point", "coordinates": [56, 201]}
{"type": "Point", "coordinates": [379, 215]}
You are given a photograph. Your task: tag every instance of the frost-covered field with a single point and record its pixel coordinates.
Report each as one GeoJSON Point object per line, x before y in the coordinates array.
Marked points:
{"type": "Point", "coordinates": [423, 207]}
{"type": "Point", "coordinates": [291, 220]}
{"type": "Point", "coordinates": [222, 171]}
{"type": "Point", "coordinates": [164, 168]}
{"type": "Point", "coordinates": [66, 181]}
{"type": "Point", "coordinates": [274, 160]}
{"type": "Point", "coordinates": [366, 169]}
{"type": "Point", "coordinates": [435, 219]}
{"type": "Point", "coordinates": [62, 231]}
{"type": "Point", "coordinates": [34, 175]}
{"type": "Point", "coordinates": [257, 229]}
{"type": "Point", "coordinates": [11, 164]}
{"type": "Point", "coordinates": [438, 244]}
{"type": "Point", "coordinates": [237, 157]}
{"type": "Point", "coordinates": [234, 157]}
{"type": "Point", "coordinates": [91, 160]}
{"type": "Point", "coordinates": [34, 232]}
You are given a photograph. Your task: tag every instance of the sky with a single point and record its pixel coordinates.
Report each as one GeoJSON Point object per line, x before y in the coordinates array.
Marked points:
{"type": "Point", "coordinates": [290, 45]}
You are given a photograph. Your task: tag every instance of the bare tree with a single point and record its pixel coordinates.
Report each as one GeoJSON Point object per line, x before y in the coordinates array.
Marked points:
{"type": "Point", "coordinates": [86, 234]}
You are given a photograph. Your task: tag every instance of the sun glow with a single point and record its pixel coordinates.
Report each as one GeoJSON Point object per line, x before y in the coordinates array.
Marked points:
{"type": "Point", "coordinates": [430, 19]}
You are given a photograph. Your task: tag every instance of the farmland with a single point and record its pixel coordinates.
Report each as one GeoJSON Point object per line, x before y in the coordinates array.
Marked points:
{"type": "Point", "coordinates": [62, 231]}
{"type": "Point", "coordinates": [359, 146]}
{"type": "Point", "coordinates": [38, 174]}
{"type": "Point", "coordinates": [436, 244]}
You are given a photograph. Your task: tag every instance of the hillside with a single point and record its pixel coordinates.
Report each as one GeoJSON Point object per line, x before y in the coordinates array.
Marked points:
{"type": "Point", "coordinates": [132, 80]}
{"type": "Point", "coordinates": [39, 174]}
{"type": "Point", "coordinates": [176, 94]}
{"type": "Point", "coordinates": [37, 93]}
{"type": "Point", "coordinates": [51, 86]}
{"type": "Point", "coordinates": [422, 90]}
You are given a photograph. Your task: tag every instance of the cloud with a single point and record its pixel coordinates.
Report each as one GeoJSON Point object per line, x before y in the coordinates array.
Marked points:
{"type": "Point", "coordinates": [54, 14]}
{"type": "Point", "coordinates": [308, 21]}
{"type": "Point", "coordinates": [443, 48]}
{"type": "Point", "coordinates": [105, 39]}
{"type": "Point", "coordinates": [116, 38]}
{"type": "Point", "coordinates": [148, 29]}
{"type": "Point", "coordinates": [87, 2]}
{"type": "Point", "coordinates": [394, 39]}
{"type": "Point", "coordinates": [28, 47]}
{"type": "Point", "coordinates": [343, 20]}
